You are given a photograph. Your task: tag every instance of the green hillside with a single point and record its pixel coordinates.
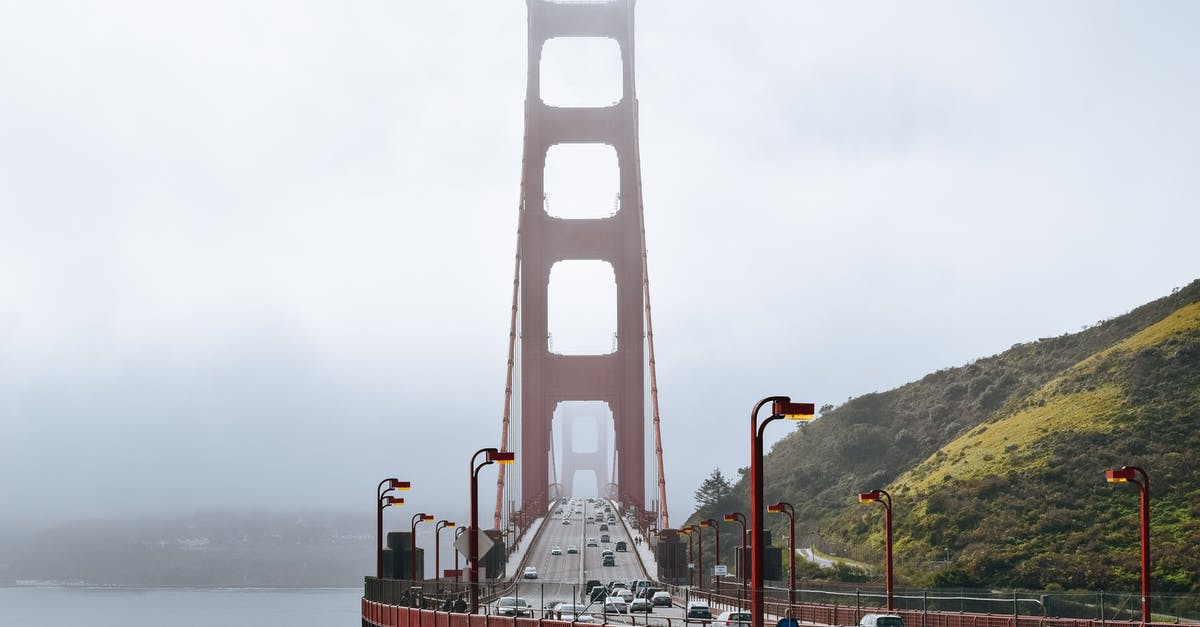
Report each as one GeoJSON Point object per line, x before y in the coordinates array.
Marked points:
{"type": "Point", "coordinates": [1000, 464]}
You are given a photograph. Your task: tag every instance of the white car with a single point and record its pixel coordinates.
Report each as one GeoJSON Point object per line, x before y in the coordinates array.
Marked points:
{"type": "Point", "coordinates": [530, 572]}
{"type": "Point", "coordinates": [556, 550]}
{"type": "Point", "coordinates": [624, 593]}
{"type": "Point", "coordinates": [640, 605]}
{"type": "Point", "coordinates": [734, 618]}
{"type": "Point", "coordinates": [616, 605]}
{"type": "Point", "coordinates": [593, 542]}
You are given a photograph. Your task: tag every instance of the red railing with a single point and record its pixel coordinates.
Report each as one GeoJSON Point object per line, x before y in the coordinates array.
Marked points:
{"type": "Point", "coordinates": [385, 615]}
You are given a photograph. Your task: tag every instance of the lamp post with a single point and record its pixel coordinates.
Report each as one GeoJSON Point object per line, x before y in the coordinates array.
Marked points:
{"type": "Point", "coordinates": [784, 507]}
{"type": "Point", "coordinates": [457, 532]}
{"type": "Point", "coordinates": [437, 546]}
{"type": "Point", "coordinates": [493, 456]}
{"type": "Point", "coordinates": [1130, 474]}
{"type": "Point", "coordinates": [687, 531]}
{"type": "Point", "coordinates": [881, 496]}
{"type": "Point", "coordinates": [782, 407]}
{"type": "Point", "coordinates": [699, 556]}
{"type": "Point", "coordinates": [380, 503]}
{"type": "Point", "coordinates": [717, 528]}
{"type": "Point", "coordinates": [740, 518]}
{"type": "Point", "coordinates": [412, 554]}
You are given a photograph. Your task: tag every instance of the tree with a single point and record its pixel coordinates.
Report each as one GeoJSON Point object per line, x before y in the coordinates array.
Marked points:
{"type": "Point", "coordinates": [715, 488]}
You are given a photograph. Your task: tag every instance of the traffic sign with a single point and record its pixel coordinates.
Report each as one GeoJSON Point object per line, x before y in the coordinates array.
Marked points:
{"type": "Point", "coordinates": [462, 544]}
{"type": "Point", "coordinates": [720, 570]}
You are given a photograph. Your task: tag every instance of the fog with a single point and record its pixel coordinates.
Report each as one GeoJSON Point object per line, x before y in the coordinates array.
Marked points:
{"type": "Point", "coordinates": [260, 254]}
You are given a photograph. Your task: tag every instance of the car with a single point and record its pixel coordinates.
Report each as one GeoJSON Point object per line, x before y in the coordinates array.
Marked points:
{"type": "Point", "coordinates": [604, 527]}
{"type": "Point", "coordinates": [566, 522]}
{"type": "Point", "coordinates": [573, 613]}
{"type": "Point", "coordinates": [592, 583]}
{"type": "Point", "coordinates": [572, 550]}
{"type": "Point", "coordinates": [608, 560]}
{"type": "Point", "coordinates": [881, 620]}
{"type": "Point", "coordinates": [740, 618]}
{"type": "Point", "coordinates": [615, 605]}
{"type": "Point", "coordinates": [613, 585]}
{"type": "Point", "coordinates": [624, 593]}
{"type": "Point", "coordinates": [556, 550]}
{"type": "Point", "coordinates": [512, 606]}
{"type": "Point", "coordinates": [662, 598]}
{"type": "Point", "coordinates": [622, 547]}
{"type": "Point", "coordinates": [593, 542]}
{"type": "Point", "coordinates": [598, 593]}
{"type": "Point", "coordinates": [606, 553]}
{"type": "Point", "coordinates": [530, 572]}
{"type": "Point", "coordinates": [604, 538]}
{"type": "Point", "coordinates": [646, 593]}
{"type": "Point", "coordinates": [698, 609]}
{"type": "Point", "coordinates": [641, 605]}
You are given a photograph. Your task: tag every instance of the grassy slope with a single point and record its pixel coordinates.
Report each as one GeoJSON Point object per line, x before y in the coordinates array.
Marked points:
{"type": "Point", "coordinates": [998, 460]}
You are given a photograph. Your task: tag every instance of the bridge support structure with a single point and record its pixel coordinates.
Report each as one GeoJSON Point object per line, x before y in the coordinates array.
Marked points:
{"type": "Point", "coordinates": [547, 378]}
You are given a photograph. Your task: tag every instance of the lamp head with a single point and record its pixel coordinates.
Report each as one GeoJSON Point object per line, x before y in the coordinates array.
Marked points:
{"type": "Point", "coordinates": [1124, 475]}
{"type": "Point", "coordinates": [706, 523]}
{"type": "Point", "coordinates": [793, 411]}
{"type": "Point", "coordinates": [501, 457]}
{"type": "Point", "coordinates": [391, 500]}
{"type": "Point", "coordinates": [730, 518]}
{"type": "Point", "coordinates": [426, 518]}
{"type": "Point", "coordinates": [776, 508]}
{"type": "Point", "coordinates": [868, 497]}
{"type": "Point", "coordinates": [449, 524]}
{"type": "Point", "coordinates": [396, 484]}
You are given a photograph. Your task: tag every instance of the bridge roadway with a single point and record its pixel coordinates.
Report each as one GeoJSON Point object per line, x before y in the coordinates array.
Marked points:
{"type": "Point", "coordinates": [562, 577]}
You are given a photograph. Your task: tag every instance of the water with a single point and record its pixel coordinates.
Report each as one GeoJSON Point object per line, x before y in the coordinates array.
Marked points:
{"type": "Point", "coordinates": [179, 607]}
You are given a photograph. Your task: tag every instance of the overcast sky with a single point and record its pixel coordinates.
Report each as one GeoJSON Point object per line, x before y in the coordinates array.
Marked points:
{"type": "Point", "coordinates": [261, 252]}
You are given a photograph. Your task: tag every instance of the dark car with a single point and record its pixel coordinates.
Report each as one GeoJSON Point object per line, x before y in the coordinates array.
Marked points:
{"type": "Point", "coordinates": [609, 561]}
{"type": "Point", "coordinates": [622, 547]}
{"type": "Point", "coordinates": [599, 593]}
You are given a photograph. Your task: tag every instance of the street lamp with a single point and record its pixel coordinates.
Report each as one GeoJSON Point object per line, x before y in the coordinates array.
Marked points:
{"type": "Point", "coordinates": [740, 518]}
{"type": "Point", "coordinates": [493, 456]}
{"type": "Point", "coordinates": [457, 534]}
{"type": "Point", "coordinates": [687, 531]}
{"type": "Point", "coordinates": [717, 528]}
{"type": "Point", "coordinates": [782, 407]}
{"type": "Point", "coordinates": [380, 503]}
{"type": "Point", "coordinates": [437, 546]}
{"type": "Point", "coordinates": [881, 496]}
{"type": "Point", "coordinates": [412, 557]}
{"type": "Point", "coordinates": [699, 556]}
{"type": "Point", "coordinates": [1129, 474]}
{"type": "Point", "coordinates": [784, 507]}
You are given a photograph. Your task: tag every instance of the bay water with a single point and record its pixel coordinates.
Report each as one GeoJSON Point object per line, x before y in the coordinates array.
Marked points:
{"type": "Point", "coordinates": [55, 606]}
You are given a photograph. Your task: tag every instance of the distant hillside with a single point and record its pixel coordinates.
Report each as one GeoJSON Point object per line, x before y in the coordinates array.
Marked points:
{"type": "Point", "coordinates": [999, 464]}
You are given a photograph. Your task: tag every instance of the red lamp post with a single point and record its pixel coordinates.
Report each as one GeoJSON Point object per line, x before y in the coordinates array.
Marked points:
{"type": "Point", "coordinates": [457, 532]}
{"type": "Point", "coordinates": [382, 501]}
{"type": "Point", "coordinates": [1130, 474]}
{"type": "Point", "coordinates": [784, 507]}
{"type": "Point", "coordinates": [880, 496]}
{"type": "Point", "coordinates": [437, 546]}
{"type": "Point", "coordinates": [717, 528]}
{"type": "Point", "coordinates": [740, 518]}
{"type": "Point", "coordinates": [412, 554]}
{"type": "Point", "coordinates": [493, 456]}
{"type": "Point", "coordinates": [687, 531]}
{"type": "Point", "coordinates": [782, 407]}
